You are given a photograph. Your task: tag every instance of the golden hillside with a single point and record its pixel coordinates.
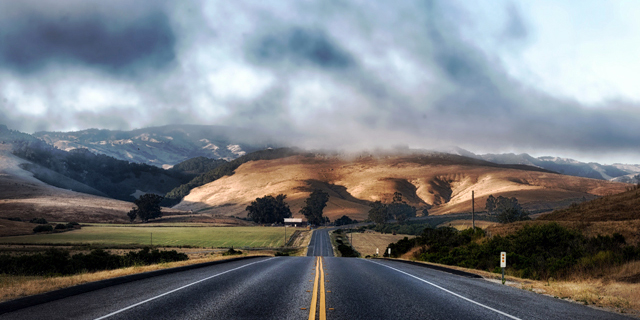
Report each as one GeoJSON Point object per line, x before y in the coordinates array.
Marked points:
{"type": "Point", "coordinates": [440, 182]}
{"type": "Point", "coordinates": [618, 207]}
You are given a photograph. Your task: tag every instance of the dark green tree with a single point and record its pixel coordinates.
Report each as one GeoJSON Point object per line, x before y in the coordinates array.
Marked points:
{"type": "Point", "coordinates": [132, 214]}
{"type": "Point", "coordinates": [399, 209]}
{"type": "Point", "coordinates": [509, 210]}
{"type": "Point", "coordinates": [378, 212]}
{"type": "Point", "coordinates": [491, 204]}
{"type": "Point", "coordinates": [344, 220]}
{"type": "Point", "coordinates": [314, 205]}
{"type": "Point", "coordinates": [425, 212]}
{"type": "Point", "coordinates": [148, 207]}
{"type": "Point", "coordinates": [269, 209]}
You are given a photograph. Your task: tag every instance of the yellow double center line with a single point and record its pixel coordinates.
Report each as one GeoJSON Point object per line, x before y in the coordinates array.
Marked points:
{"type": "Point", "coordinates": [314, 298]}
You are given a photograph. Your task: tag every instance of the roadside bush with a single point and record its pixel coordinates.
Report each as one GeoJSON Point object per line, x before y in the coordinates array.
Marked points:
{"type": "Point", "coordinates": [148, 256]}
{"type": "Point", "coordinates": [59, 262]}
{"type": "Point", "coordinates": [38, 221]}
{"type": "Point", "coordinates": [73, 225]}
{"type": "Point", "coordinates": [281, 254]}
{"type": "Point", "coordinates": [43, 228]}
{"type": "Point", "coordinates": [347, 251]}
{"type": "Point", "coordinates": [60, 227]}
{"type": "Point", "coordinates": [231, 252]}
{"type": "Point", "coordinates": [535, 252]}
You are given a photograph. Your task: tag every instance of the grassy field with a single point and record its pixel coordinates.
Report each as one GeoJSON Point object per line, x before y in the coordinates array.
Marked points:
{"type": "Point", "coordinates": [366, 243]}
{"type": "Point", "coordinates": [258, 237]}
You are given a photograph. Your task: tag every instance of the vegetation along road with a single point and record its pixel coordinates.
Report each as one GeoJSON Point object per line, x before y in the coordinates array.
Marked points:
{"type": "Point", "coordinates": [318, 286]}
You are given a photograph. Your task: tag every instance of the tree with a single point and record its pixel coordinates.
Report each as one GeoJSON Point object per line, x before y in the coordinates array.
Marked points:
{"type": "Point", "coordinates": [132, 214]}
{"type": "Point", "coordinates": [491, 204]}
{"type": "Point", "coordinates": [344, 220]}
{"type": "Point", "coordinates": [148, 207]}
{"type": "Point", "coordinates": [269, 209]}
{"type": "Point", "coordinates": [314, 205]}
{"type": "Point", "coordinates": [400, 210]}
{"type": "Point", "coordinates": [378, 212]}
{"type": "Point", "coordinates": [509, 210]}
{"type": "Point", "coordinates": [425, 212]}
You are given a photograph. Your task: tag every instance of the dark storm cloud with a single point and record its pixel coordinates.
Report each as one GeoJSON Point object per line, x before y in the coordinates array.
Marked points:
{"type": "Point", "coordinates": [117, 38]}
{"type": "Point", "coordinates": [298, 45]}
{"type": "Point", "coordinates": [337, 74]}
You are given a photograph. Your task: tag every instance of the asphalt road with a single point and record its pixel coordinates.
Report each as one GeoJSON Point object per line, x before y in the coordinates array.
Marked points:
{"type": "Point", "coordinates": [314, 287]}
{"type": "Point", "coordinates": [320, 245]}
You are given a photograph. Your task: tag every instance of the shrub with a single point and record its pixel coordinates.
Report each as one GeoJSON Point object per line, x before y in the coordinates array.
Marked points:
{"type": "Point", "coordinates": [43, 228]}
{"type": "Point", "coordinates": [535, 252]}
{"type": "Point", "coordinates": [231, 252]}
{"type": "Point", "coordinates": [59, 262]}
{"type": "Point", "coordinates": [38, 221]}
{"type": "Point", "coordinates": [73, 225]}
{"type": "Point", "coordinates": [347, 251]}
{"type": "Point", "coordinates": [60, 226]}
{"type": "Point", "coordinates": [281, 254]}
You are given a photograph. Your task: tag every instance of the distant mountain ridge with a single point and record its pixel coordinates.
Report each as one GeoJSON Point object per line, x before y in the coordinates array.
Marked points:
{"type": "Point", "coordinates": [626, 173]}
{"type": "Point", "coordinates": [163, 146]}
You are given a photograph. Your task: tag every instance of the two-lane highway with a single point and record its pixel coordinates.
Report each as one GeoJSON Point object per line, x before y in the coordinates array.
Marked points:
{"type": "Point", "coordinates": [318, 286]}
{"type": "Point", "coordinates": [320, 244]}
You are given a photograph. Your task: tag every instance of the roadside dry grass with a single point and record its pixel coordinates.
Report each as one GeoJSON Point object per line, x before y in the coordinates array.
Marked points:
{"type": "Point", "coordinates": [466, 224]}
{"type": "Point", "coordinates": [611, 293]}
{"type": "Point", "coordinates": [366, 243]}
{"type": "Point", "coordinates": [302, 239]}
{"type": "Point", "coordinates": [13, 287]}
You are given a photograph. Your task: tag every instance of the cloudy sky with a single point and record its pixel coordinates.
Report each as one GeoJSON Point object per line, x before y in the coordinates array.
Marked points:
{"type": "Point", "coordinates": [545, 77]}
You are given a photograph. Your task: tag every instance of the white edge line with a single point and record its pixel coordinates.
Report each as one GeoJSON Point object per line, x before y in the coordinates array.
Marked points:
{"type": "Point", "coordinates": [448, 291]}
{"type": "Point", "coordinates": [174, 290]}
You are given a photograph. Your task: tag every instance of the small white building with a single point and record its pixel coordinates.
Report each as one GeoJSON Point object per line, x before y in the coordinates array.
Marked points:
{"type": "Point", "coordinates": [294, 222]}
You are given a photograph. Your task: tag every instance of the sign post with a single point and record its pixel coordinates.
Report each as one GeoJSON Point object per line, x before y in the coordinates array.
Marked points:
{"type": "Point", "coordinates": [377, 252]}
{"type": "Point", "coordinates": [503, 263]}
{"type": "Point", "coordinates": [389, 252]}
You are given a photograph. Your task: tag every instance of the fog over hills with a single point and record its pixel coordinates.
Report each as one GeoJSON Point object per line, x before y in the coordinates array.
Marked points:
{"type": "Point", "coordinates": [168, 145]}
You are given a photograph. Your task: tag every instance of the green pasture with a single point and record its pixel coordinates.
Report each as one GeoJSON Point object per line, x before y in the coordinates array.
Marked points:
{"type": "Point", "coordinates": [239, 237]}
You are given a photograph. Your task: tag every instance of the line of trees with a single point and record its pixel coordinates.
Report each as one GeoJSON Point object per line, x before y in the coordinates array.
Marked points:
{"type": "Point", "coordinates": [269, 209]}
{"type": "Point", "coordinates": [398, 209]}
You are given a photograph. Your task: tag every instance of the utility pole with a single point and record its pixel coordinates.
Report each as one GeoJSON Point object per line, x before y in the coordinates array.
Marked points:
{"type": "Point", "coordinates": [352, 239]}
{"type": "Point", "coordinates": [473, 211]}
{"type": "Point", "coordinates": [285, 235]}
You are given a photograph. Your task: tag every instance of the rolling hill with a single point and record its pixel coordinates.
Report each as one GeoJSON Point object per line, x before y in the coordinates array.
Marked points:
{"type": "Point", "coordinates": [162, 146]}
{"type": "Point", "coordinates": [617, 207]}
{"type": "Point", "coordinates": [25, 197]}
{"type": "Point", "coordinates": [440, 182]}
